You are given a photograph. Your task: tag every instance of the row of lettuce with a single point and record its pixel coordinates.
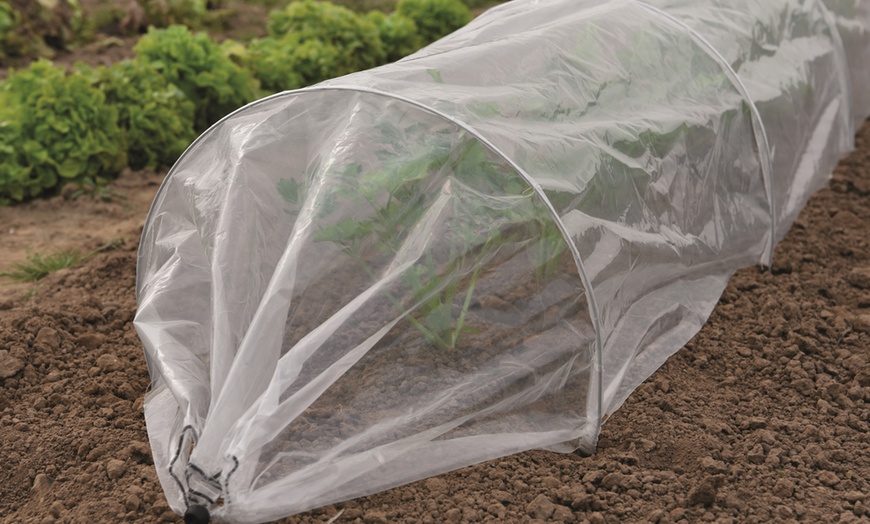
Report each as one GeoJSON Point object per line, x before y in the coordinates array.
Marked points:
{"type": "Point", "coordinates": [30, 29]}
{"type": "Point", "coordinates": [86, 126]}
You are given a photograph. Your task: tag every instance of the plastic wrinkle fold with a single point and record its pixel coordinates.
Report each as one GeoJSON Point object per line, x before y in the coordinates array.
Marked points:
{"type": "Point", "coordinates": [481, 249]}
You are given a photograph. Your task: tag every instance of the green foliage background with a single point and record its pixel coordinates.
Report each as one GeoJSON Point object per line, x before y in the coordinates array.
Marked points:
{"type": "Point", "coordinates": [85, 126]}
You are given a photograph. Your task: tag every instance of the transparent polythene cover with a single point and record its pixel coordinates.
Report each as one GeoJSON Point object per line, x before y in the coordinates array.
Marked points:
{"type": "Point", "coordinates": [480, 249]}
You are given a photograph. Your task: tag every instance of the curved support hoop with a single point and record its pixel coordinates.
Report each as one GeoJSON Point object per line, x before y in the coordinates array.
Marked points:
{"type": "Point", "coordinates": [590, 296]}
{"type": "Point", "coordinates": [760, 133]}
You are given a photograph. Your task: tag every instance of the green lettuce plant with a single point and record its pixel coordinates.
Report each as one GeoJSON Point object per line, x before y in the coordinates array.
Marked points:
{"type": "Point", "coordinates": [291, 62]}
{"type": "Point", "coordinates": [355, 38]}
{"type": "Point", "coordinates": [196, 65]}
{"type": "Point", "coordinates": [154, 115]}
{"type": "Point", "coordinates": [398, 33]}
{"type": "Point", "coordinates": [435, 18]}
{"type": "Point", "coordinates": [54, 129]}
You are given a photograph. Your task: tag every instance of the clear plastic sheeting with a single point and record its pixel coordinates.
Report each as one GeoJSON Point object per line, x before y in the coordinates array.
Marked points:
{"type": "Point", "coordinates": [480, 249]}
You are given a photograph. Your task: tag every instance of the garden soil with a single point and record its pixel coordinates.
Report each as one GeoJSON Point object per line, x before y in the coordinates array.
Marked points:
{"type": "Point", "coordinates": [762, 417]}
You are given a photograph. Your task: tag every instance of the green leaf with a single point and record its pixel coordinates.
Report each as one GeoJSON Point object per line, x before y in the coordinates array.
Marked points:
{"type": "Point", "coordinates": [289, 190]}
{"type": "Point", "coordinates": [344, 232]}
{"type": "Point", "coordinates": [56, 127]}
{"type": "Point", "coordinates": [196, 65]}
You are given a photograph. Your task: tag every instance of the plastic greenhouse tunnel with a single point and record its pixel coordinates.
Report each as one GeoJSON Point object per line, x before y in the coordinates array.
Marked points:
{"type": "Point", "coordinates": [481, 249]}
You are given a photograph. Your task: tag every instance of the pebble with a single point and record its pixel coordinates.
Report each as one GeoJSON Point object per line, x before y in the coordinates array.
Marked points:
{"type": "Point", "coordinates": [90, 340]}
{"type": "Point", "coordinates": [612, 480]}
{"type": "Point", "coordinates": [351, 514]}
{"type": "Point", "coordinates": [847, 220]}
{"type": "Point", "coordinates": [862, 323]}
{"type": "Point", "coordinates": [551, 482]}
{"type": "Point", "coordinates": [854, 496]}
{"type": "Point", "coordinates": [855, 363]}
{"type": "Point", "coordinates": [9, 365]}
{"type": "Point", "coordinates": [704, 493]}
{"type": "Point", "coordinates": [56, 509]}
{"type": "Point", "coordinates": [646, 445]}
{"type": "Point", "coordinates": [756, 454]}
{"type": "Point", "coordinates": [773, 457]}
{"type": "Point", "coordinates": [96, 453]}
{"type": "Point", "coordinates": [829, 478]}
{"type": "Point", "coordinates": [453, 515]}
{"type": "Point", "coordinates": [593, 476]}
{"type": "Point", "coordinates": [562, 514]}
{"type": "Point", "coordinates": [115, 468]}
{"type": "Point", "coordinates": [503, 496]}
{"type": "Point", "coordinates": [138, 451]}
{"type": "Point", "coordinates": [42, 484]}
{"type": "Point", "coordinates": [470, 515]}
{"type": "Point", "coordinates": [765, 437]}
{"type": "Point", "coordinates": [48, 338]}
{"type": "Point", "coordinates": [859, 277]}
{"type": "Point", "coordinates": [597, 518]}
{"type": "Point", "coordinates": [784, 488]}
{"type": "Point", "coordinates": [713, 466]}
{"type": "Point", "coordinates": [375, 517]}
{"type": "Point", "coordinates": [132, 502]}
{"type": "Point", "coordinates": [109, 362]}
{"type": "Point", "coordinates": [678, 513]}
{"type": "Point", "coordinates": [497, 510]}
{"type": "Point", "coordinates": [848, 516]}
{"type": "Point", "coordinates": [825, 407]}
{"type": "Point", "coordinates": [436, 485]}
{"type": "Point", "coordinates": [541, 507]}
{"type": "Point", "coordinates": [757, 423]}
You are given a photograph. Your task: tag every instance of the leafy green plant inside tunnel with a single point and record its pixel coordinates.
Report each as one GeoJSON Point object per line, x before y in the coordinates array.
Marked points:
{"type": "Point", "coordinates": [436, 288]}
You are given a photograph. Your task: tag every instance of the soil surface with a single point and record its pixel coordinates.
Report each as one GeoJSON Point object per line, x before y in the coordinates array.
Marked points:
{"type": "Point", "coordinates": [762, 417]}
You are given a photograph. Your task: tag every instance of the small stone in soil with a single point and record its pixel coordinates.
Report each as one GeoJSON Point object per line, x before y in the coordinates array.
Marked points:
{"type": "Point", "coordinates": [829, 478]}
{"type": "Point", "coordinates": [42, 484]}
{"type": "Point", "coordinates": [48, 338]}
{"type": "Point", "coordinates": [702, 494]}
{"type": "Point", "coordinates": [859, 277]}
{"type": "Point", "coordinates": [132, 502]}
{"type": "Point", "coordinates": [9, 365]}
{"type": "Point", "coordinates": [541, 507]}
{"type": "Point", "coordinates": [115, 468]}
{"type": "Point", "coordinates": [436, 485]}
